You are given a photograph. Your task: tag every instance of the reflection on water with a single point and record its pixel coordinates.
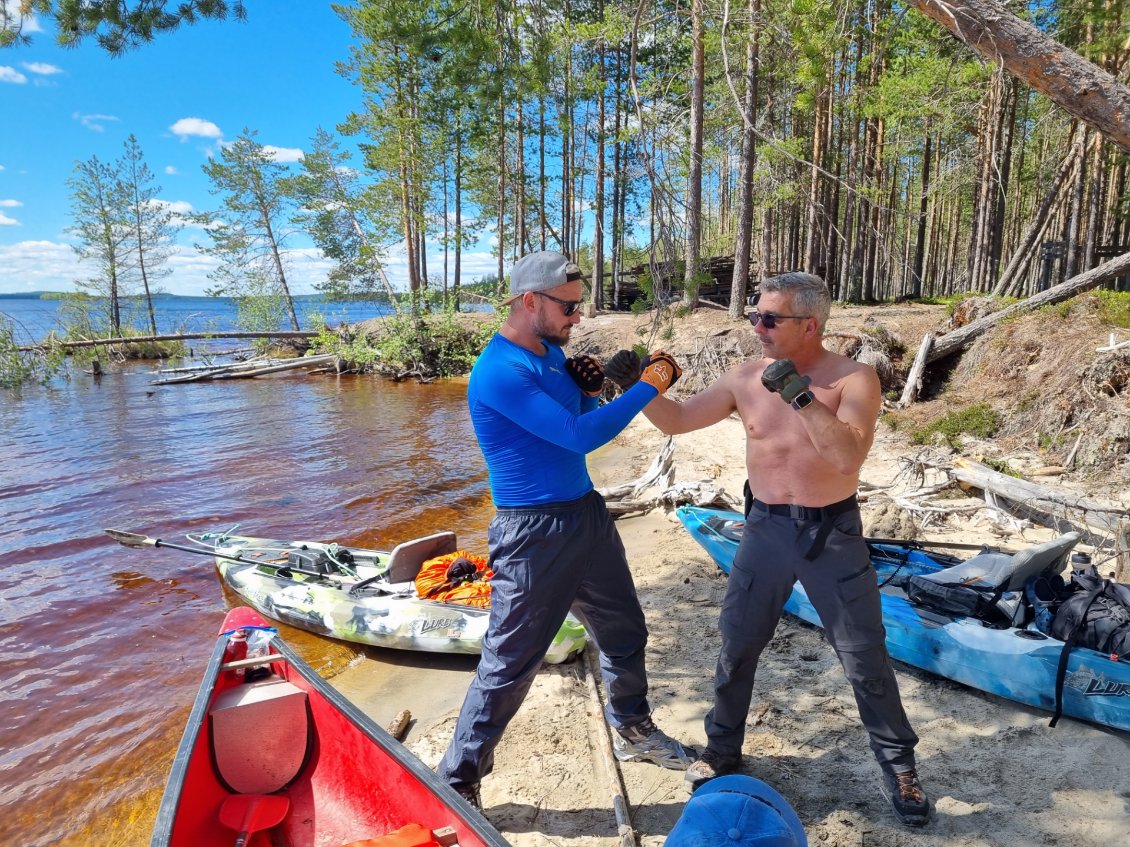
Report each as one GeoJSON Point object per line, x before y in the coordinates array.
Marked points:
{"type": "Point", "coordinates": [102, 646]}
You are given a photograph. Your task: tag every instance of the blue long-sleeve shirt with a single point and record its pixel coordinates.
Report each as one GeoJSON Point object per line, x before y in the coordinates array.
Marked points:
{"type": "Point", "coordinates": [534, 425]}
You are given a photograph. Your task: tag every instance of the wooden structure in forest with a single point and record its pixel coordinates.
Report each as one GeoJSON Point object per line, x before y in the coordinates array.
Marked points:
{"type": "Point", "coordinates": [720, 269]}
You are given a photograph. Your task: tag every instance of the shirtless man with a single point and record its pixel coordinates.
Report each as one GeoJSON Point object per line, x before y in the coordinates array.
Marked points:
{"type": "Point", "coordinates": [809, 418]}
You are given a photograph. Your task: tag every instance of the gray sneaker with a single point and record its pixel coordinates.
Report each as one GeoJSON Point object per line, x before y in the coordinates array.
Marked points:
{"type": "Point", "coordinates": [645, 742]}
{"type": "Point", "coordinates": [708, 766]}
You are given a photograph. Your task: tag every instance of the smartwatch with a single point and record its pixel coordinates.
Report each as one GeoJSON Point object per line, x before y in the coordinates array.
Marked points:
{"type": "Point", "coordinates": [802, 400]}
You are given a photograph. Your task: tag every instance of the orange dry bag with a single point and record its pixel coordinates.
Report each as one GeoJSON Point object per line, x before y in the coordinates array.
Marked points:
{"type": "Point", "coordinates": [458, 577]}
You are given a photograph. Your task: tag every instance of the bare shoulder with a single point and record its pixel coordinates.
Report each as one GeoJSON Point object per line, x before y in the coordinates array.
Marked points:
{"type": "Point", "coordinates": [845, 368]}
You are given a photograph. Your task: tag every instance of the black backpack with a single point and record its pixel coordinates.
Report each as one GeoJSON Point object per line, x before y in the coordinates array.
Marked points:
{"type": "Point", "coordinates": [1095, 614]}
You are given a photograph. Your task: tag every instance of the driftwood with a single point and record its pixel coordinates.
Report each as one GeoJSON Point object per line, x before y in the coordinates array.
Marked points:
{"type": "Point", "coordinates": [1047, 503]}
{"type": "Point", "coordinates": [625, 499]}
{"type": "Point", "coordinates": [184, 336]}
{"type": "Point", "coordinates": [399, 724]}
{"type": "Point", "coordinates": [914, 378]}
{"type": "Point", "coordinates": [954, 341]}
{"type": "Point", "coordinates": [245, 370]}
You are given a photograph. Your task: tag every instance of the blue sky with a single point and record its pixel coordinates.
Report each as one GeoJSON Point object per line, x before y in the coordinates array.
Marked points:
{"type": "Point", "coordinates": [183, 96]}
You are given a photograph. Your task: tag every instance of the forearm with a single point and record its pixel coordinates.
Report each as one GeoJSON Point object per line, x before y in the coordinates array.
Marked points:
{"type": "Point", "coordinates": [666, 415]}
{"type": "Point", "coordinates": [837, 442]}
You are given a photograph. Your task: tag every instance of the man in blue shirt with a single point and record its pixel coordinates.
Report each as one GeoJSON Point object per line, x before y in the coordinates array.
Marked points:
{"type": "Point", "coordinates": [553, 545]}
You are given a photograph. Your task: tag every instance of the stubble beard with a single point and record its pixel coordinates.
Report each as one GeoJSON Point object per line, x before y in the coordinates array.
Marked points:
{"type": "Point", "coordinates": [546, 334]}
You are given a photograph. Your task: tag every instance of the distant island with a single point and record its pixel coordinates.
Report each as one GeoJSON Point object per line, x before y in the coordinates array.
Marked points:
{"type": "Point", "coordinates": [59, 295]}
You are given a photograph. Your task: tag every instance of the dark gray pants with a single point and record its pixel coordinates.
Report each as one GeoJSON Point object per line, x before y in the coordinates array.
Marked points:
{"type": "Point", "coordinates": [841, 584]}
{"type": "Point", "coordinates": [546, 561]}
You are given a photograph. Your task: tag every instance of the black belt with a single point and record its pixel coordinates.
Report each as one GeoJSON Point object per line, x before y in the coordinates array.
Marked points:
{"type": "Point", "coordinates": [823, 515]}
{"type": "Point", "coordinates": [807, 513]}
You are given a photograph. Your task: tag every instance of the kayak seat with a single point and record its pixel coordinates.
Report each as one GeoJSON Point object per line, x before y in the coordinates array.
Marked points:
{"type": "Point", "coordinates": [408, 557]}
{"type": "Point", "coordinates": [260, 732]}
{"type": "Point", "coordinates": [990, 586]}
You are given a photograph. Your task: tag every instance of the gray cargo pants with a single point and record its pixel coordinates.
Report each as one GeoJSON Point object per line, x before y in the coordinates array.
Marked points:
{"type": "Point", "coordinates": [546, 561]}
{"type": "Point", "coordinates": [841, 584]}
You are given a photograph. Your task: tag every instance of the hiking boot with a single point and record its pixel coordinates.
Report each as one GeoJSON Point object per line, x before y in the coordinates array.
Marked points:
{"type": "Point", "coordinates": [708, 766]}
{"type": "Point", "coordinates": [908, 797]}
{"type": "Point", "coordinates": [645, 742]}
{"type": "Point", "coordinates": [469, 791]}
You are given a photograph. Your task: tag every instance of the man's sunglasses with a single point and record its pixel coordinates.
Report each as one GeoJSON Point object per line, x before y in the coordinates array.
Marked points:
{"type": "Point", "coordinates": [770, 318]}
{"type": "Point", "coordinates": [568, 306]}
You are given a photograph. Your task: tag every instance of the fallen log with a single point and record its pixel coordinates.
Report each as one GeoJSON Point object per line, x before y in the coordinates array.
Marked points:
{"type": "Point", "coordinates": [234, 372]}
{"type": "Point", "coordinates": [951, 342]}
{"type": "Point", "coordinates": [184, 336]}
{"type": "Point", "coordinates": [1104, 516]}
{"type": "Point", "coordinates": [914, 378]}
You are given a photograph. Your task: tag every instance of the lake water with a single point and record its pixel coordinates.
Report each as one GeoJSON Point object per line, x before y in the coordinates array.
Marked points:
{"type": "Point", "coordinates": [102, 647]}
{"type": "Point", "coordinates": [34, 318]}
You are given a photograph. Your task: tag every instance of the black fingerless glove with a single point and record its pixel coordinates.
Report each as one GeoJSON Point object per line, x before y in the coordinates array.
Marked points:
{"type": "Point", "coordinates": [624, 369]}
{"type": "Point", "coordinates": [781, 377]}
{"type": "Point", "coordinates": [587, 373]}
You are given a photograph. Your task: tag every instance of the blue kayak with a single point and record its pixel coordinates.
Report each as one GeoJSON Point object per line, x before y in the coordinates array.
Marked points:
{"type": "Point", "coordinates": [1016, 662]}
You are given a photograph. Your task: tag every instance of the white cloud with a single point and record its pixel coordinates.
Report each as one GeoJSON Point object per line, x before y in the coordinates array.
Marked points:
{"type": "Point", "coordinates": [38, 265]}
{"type": "Point", "coordinates": [41, 68]}
{"type": "Point", "coordinates": [10, 74]}
{"type": "Point", "coordinates": [95, 123]}
{"type": "Point", "coordinates": [195, 127]}
{"type": "Point", "coordinates": [179, 207]}
{"type": "Point", "coordinates": [171, 171]}
{"type": "Point", "coordinates": [283, 154]}
{"type": "Point", "coordinates": [10, 204]}
{"type": "Point", "coordinates": [6, 221]}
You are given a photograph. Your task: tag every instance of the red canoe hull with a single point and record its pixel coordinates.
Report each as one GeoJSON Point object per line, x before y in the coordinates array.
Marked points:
{"type": "Point", "coordinates": [351, 780]}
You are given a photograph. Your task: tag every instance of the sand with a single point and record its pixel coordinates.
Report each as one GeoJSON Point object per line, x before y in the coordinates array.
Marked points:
{"type": "Point", "coordinates": [996, 772]}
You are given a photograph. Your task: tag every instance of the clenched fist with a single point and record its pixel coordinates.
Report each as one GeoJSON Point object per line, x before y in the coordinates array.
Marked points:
{"type": "Point", "coordinates": [661, 371]}
{"type": "Point", "coordinates": [624, 368]}
{"type": "Point", "coordinates": [781, 377]}
{"type": "Point", "coordinates": [587, 373]}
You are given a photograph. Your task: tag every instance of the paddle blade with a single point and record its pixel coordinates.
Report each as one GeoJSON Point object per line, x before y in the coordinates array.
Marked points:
{"type": "Point", "coordinates": [130, 539]}
{"type": "Point", "coordinates": [249, 813]}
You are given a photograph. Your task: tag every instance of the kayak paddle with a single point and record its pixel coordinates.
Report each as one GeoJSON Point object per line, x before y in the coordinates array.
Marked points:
{"type": "Point", "coordinates": [249, 813]}
{"type": "Point", "coordinates": [133, 539]}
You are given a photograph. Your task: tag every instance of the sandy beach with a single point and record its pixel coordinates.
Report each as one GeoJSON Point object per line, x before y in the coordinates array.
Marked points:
{"type": "Point", "coordinates": [998, 775]}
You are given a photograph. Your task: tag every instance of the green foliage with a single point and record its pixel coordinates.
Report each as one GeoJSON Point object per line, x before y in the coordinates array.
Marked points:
{"type": "Point", "coordinates": [1114, 307]}
{"type": "Point", "coordinates": [1000, 466]}
{"type": "Point", "coordinates": [116, 27]}
{"type": "Point", "coordinates": [422, 345]}
{"type": "Point", "coordinates": [16, 367]}
{"type": "Point", "coordinates": [980, 420]}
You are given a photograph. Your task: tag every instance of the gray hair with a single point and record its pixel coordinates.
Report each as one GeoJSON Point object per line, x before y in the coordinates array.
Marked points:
{"type": "Point", "coordinates": [809, 292]}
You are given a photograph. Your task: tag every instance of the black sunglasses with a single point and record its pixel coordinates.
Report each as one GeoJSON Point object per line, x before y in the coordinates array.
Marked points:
{"type": "Point", "coordinates": [568, 306]}
{"type": "Point", "coordinates": [770, 318]}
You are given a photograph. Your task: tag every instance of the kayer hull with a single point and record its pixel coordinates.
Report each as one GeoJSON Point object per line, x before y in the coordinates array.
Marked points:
{"type": "Point", "coordinates": [272, 747]}
{"type": "Point", "coordinates": [1015, 663]}
{"type": "Point", "coordinates": [383, 613]}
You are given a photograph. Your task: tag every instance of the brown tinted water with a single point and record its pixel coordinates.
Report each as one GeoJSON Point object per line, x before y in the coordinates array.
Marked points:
{"type": "Point", "coordinates": [102, 647]}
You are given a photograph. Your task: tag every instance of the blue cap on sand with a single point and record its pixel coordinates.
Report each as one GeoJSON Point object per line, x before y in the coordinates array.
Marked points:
{"type": "Point", "coordinates": [736, 810]}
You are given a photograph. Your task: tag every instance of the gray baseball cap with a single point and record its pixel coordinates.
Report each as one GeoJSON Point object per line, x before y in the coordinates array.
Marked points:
{"type": "Point", "coordinates": [540, 271]}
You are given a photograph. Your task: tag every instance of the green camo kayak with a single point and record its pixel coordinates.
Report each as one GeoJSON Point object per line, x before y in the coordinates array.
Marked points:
{"type": "Point", "coordinates": [360, 595]}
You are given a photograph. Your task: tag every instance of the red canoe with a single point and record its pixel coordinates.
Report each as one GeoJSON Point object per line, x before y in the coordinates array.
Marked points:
{"type": "Point", "coordinates": [273, 755]}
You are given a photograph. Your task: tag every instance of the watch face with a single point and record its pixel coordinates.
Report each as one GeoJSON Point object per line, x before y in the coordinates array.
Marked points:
{"type": "Point", "coordinates": [803, 399]}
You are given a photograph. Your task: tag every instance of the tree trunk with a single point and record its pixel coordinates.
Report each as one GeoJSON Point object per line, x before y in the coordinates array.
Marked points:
{"type": "Point", "coordinates": [739, 284]}
{"type": "Point", "coordinates": [1081, 88]}
{"type": "Point", "coordinates": [953, 341]}
{"type": "Point", "coordinates": [694, 180]}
